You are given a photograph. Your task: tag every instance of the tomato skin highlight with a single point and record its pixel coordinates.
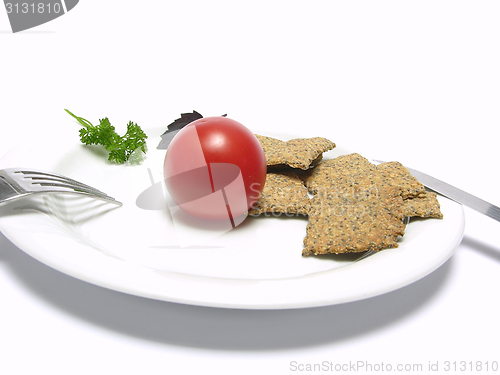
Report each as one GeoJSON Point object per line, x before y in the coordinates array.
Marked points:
{"type": "Point", "coordinates": [202, 159]}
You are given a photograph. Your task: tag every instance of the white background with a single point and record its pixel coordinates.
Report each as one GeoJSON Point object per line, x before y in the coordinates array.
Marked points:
{"type": "Point", "coordinates": [417, 82]}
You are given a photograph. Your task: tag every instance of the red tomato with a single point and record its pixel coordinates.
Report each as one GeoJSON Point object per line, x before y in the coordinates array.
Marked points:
{"type": "Point", "coordinates": [215, 168]}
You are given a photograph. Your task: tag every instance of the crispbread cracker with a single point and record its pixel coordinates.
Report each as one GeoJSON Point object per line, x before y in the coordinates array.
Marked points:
{"type": "Point", "coordinates": [417, 200]}
{"type": "Point", "coordinates": [358, 206]}
{"type": "Point", "coordinates": [336, 171]}
{"type": "Point", "coordinates": [299, 153]}
{"type": "Point", "coordinates": [395, 173]}
{"type": "Point", "coordinates": [342, 226]}
{"type": "Point", "coordinates": [284, 192]}
{"type": "Point", "coordinates": [425, 205]}
{"type": "Point", "coordinates": [353, 209]}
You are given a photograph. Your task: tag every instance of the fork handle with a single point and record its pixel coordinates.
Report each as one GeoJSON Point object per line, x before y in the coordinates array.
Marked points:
{"type": "Point", "coordinates": [6, 191]}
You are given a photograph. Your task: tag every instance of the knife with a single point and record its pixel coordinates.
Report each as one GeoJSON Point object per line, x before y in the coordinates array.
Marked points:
{"type": "Point", "coordinates": [455, 194]}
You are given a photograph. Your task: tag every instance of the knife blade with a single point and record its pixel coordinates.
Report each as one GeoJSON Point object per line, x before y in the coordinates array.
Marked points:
{"type": "Point", "coordinates": [455, 194]}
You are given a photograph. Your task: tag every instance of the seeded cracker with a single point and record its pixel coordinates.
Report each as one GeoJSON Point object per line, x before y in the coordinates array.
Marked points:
{"type": "Point", "coordinates": [299, 153]}
{"type": "Point", "coordinates": [284, 192]}
{"type": "Point", "coordinates": [416, 200]}
{"type": "Point", "coordinates": [426, 206]}
{"type": "Point", "coordinates": [396, 174]}
{"type": "Point", "coordinates": [356, 205]}
{"type": "Point", "coordinates": [353, 209]}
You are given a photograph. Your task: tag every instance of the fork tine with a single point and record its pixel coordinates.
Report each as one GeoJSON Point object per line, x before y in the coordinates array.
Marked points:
{"type": "Point", "coordinates": [73, 187]}
{"type": "Point", "coordinates": [54, 177]}
{"type": "Point", "coordinates": [45, 181]}
{"type": "Point", "coordinates": [73, 190]}
{"type": "Point", "coordinates": [48, 180]}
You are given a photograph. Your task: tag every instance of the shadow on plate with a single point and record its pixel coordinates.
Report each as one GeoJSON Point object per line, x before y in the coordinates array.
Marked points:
{"type": "Point", "coordinates": [64, 207]}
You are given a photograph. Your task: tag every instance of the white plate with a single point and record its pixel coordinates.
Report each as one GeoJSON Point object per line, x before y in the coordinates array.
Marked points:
{"type": "Point", "coordinates": [258, 265]}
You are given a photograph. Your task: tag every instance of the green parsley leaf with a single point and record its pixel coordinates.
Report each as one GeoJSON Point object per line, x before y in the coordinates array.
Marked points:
{"type": "Point", "coordinates": [120, 148]}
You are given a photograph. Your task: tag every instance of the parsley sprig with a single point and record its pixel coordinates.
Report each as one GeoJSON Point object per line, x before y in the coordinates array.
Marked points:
{"type": "Point", "coordinates": [120, 148]}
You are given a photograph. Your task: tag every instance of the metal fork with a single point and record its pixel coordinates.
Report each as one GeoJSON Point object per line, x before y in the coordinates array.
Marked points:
{"type": "Point", "coordinates": [18, 183]}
